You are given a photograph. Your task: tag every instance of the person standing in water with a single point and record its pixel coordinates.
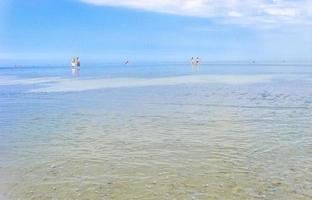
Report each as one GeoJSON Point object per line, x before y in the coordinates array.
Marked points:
{"type": "Point", "coordinates": [73, 62]}
{"type": "Point", "coordinates": [78, 62]}
{"type": "Point", "coordinates": [197, 61]}
{"type": "Point", "coordinates": [192, 61]}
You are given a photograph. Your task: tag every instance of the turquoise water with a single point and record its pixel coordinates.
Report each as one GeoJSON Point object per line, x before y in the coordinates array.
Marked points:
{"type": "Point", "coordinates": [156, 131]}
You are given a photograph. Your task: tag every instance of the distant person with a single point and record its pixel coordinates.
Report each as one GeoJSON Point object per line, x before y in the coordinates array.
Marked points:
{"type": "Point", "coordinates": [197, 61]}
{"type": "Point", "coordinates": [77, 62]}
{"type": "Point", "coordinates": [73, 62]}
{"type": "Point", "coordinates": [192, 61]}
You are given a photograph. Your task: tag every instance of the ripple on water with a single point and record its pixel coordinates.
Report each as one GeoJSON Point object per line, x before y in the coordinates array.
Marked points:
{"type": "Point", "coordinates": [199, 142]}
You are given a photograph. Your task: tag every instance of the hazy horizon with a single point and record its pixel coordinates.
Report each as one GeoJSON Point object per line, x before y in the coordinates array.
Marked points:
{"type": "Point", "coordinates": [98, 62]}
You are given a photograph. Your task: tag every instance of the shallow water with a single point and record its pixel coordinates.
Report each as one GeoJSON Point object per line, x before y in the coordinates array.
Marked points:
{"type": "Point", "coordinates": [156, 132]}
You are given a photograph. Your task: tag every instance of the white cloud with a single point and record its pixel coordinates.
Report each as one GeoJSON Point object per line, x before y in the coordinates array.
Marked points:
{"type": "Point", "coordinates": [234, 14]}
{"type": "Point", "coordinates": [289, 12]}
{"type": "Point", "coordinates": [234, 11]}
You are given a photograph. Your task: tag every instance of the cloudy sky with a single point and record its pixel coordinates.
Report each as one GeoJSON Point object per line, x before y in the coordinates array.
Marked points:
{"type": "Point", "coordinates": [156, 29]}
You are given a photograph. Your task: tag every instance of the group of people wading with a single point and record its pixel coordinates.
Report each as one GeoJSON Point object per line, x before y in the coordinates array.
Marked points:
{"type": "Point", "coordinates": [195, 61]}
{"type": "Point", "coordinates": [75, 62]}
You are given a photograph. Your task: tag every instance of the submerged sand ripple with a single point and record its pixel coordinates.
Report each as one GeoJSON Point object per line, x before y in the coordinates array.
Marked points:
{"type": "Point", "coordinates": [202, 141]}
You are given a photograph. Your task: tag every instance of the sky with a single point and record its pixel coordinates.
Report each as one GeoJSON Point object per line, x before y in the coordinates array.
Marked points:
{"type": "Point", "coordinates": [167, 30]}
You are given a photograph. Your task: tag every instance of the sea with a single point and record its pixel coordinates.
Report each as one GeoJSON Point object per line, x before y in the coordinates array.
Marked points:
{"type": "Point", "coordinates": [219, 131]}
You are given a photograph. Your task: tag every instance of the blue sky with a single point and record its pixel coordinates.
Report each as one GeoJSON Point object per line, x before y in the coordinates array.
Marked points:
{"type": "Point", "coordinates": [112, 30]}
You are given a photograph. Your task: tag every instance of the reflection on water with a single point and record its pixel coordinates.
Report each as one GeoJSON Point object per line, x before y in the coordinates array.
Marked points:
{"type": "Point", "coordinates": [75, 72]}
{"type": "Point", "coordinates": [171, 141]}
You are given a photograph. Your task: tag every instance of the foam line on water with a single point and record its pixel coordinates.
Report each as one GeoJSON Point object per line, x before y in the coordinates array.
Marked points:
{"type": "Point", "coordinates": [72, 85]}
{"type": "Point", "coordinates": [11, 80]}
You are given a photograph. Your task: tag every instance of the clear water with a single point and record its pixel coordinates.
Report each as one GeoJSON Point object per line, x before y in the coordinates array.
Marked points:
{"type": "Point", "coordinates": [160, 131]}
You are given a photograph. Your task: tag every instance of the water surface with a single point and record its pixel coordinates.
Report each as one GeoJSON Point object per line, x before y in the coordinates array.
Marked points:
{"type": "Point", "coordinates": [156, 131]}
